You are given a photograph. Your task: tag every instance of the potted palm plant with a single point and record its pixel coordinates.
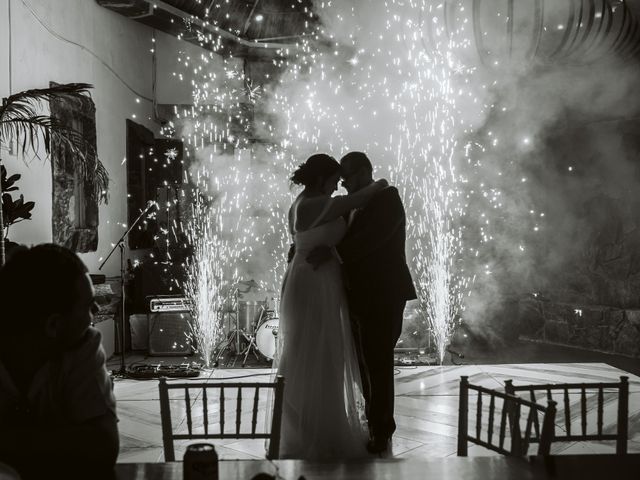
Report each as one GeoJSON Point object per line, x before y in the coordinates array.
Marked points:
{"type": "Point", "coordinates": [21, 120]}
{"type": "Point", "coordinates": [13, 210]}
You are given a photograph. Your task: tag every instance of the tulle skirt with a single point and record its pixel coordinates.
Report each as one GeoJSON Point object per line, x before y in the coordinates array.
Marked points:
{"type": "Point", "coordinates": [323, 411]}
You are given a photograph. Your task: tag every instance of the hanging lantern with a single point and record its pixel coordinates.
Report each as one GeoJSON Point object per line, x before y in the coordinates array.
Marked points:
{"type": "Point", "coordinates": [167, 130]}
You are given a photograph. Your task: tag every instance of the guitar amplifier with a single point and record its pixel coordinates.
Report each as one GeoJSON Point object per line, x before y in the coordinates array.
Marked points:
{"type": "Point", "coordinates": [168, 303]}
{"type": "Point", "coordinates": [168, 333]}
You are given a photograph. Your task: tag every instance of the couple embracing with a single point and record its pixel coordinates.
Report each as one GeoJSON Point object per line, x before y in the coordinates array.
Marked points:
{"type": "Point", "coordinates": [341, 310]}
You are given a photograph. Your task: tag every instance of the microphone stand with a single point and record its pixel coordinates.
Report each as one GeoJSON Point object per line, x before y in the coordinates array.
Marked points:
{"type": "Point", "coordinates": [121, 246]}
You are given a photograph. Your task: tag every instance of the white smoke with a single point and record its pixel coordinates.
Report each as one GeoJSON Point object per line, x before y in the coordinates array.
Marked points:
{"type": "Point", "coordinates": [342, 94]}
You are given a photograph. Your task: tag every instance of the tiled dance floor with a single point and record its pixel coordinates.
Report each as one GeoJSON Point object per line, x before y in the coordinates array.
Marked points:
{"type": "Point", "coordinates": [426, 409]}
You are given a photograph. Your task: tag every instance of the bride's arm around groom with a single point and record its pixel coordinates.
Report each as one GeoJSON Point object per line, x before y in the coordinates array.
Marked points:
{"type": "Point", "coordinates": [319, 209]}
{"type": "Point", "coordinates": [322, 209]}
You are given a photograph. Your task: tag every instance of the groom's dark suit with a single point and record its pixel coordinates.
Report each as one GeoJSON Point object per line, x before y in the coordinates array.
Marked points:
{"type": "Point", "coordinates": [379, 285]}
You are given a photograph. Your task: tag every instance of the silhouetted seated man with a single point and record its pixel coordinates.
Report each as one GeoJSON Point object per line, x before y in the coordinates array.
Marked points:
{"type": "Point", "coordinates": [57, 409]}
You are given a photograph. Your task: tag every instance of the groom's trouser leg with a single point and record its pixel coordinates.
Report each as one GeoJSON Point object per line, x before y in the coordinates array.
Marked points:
{"type": "Point", "coordinates": [379, 336]}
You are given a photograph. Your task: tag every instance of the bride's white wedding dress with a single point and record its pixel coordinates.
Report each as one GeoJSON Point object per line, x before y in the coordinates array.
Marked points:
{"type": "Point", "coordinates": [323, 410]}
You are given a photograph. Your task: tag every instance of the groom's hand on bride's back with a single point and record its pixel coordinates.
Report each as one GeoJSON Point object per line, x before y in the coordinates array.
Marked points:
{"type": "Point", "coordinates": [318, 256]}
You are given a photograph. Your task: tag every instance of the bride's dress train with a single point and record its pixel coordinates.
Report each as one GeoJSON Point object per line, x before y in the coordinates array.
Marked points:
{"type": "Point", "coordinates": [323, 409]}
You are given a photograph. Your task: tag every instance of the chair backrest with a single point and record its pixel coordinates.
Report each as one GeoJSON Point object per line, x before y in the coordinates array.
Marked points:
{"type": "Point", "coordinates": [583, 394]}
{"type": "Point", "coordinates": [509, 408]}
{"type": "Point", "coordinates": [191, 391]}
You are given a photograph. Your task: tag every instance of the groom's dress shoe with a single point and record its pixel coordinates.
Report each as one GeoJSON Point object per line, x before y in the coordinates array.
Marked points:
{"type": "Point", "coordinates": [378, 445]}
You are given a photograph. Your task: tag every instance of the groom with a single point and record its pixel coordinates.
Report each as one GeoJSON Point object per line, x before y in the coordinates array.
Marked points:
{"type": "Point", "coordinates": [378, 287]}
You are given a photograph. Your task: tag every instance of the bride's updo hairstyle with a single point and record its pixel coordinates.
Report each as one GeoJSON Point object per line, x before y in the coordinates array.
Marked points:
{"type": "Point", "coordinates": [318, 166]}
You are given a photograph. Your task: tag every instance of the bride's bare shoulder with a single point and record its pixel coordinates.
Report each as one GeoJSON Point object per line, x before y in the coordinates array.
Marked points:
{"type": "Point", "coordinates": [308, 210]}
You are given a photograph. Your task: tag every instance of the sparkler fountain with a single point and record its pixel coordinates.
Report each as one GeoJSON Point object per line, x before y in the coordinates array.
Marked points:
{"type": "Point", "coordinates": [211, 274]}
{"type": "Point", "coordinates": [236, 229]}
{"type": "Point", "coordinates": [427, 149]}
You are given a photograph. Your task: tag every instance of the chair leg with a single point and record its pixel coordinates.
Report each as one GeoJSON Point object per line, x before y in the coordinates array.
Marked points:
{"type": "Point", "coordinates": [623, 416]}
{"type": "Point", "coordinates": [548, 429]}
{"type": "Point", "coordinates": [513, 414]}
{"type": "Point", "coordinates": [463, 412]}
{"type": "Point", "coordinates": [165, 417]}
{"type": "Point", "coordinates": [276, 421]}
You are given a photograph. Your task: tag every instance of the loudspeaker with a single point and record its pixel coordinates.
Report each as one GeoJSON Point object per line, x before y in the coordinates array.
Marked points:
{"type": "Point", "coordinates": [168, 333]}
{"type": "Point", "coordinates": [139, 331]}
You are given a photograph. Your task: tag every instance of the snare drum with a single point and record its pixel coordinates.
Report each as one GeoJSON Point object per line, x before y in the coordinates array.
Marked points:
{"type": "Point", "coordinates": [266, 337]}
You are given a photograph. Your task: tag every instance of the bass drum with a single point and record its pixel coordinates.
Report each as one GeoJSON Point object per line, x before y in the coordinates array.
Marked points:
{"type": "Point", "coordinates": [266, 337]}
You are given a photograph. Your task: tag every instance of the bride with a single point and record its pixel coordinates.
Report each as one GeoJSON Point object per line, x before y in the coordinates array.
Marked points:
{"type": "Point", "coordinates": [323, 408]}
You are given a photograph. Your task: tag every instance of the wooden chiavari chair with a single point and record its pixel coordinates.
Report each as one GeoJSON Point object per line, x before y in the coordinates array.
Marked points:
{"type": "Point", "coordinates": [168, 435]}
{"type": "Point", "coordinates": [583, 390]}
{"type": "Point", "coordinates": [510, 409]}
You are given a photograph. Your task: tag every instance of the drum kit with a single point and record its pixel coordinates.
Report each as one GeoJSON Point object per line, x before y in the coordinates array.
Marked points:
{"type": "Point", "coordinates": [252, 324]}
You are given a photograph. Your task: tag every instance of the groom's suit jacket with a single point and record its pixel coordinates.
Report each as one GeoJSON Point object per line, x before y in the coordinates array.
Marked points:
{"type": "Point", "coordinates": [373, 251]}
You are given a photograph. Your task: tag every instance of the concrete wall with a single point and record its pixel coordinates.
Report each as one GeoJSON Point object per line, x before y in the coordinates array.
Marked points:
{"type": "Point", "coordinates": [174, 84]}
{"type": "Point", "coordinates": [4, 47]}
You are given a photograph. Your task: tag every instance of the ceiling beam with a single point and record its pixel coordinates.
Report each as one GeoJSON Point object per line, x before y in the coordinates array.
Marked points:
{"type": "Point", "coordinates": [247, 23]}
{"type": "Point", "coordinates": [162, 16]}
{"type": "Point", "coordinates": [224, 33]}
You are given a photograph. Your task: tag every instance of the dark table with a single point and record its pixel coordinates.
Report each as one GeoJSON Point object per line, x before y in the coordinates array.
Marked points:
{"type": "Point", "coordinates": [577, 467]}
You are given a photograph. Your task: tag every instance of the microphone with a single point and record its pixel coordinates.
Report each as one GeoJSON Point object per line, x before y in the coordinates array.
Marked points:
{"type": "Point", "coordinates": [152, 207]}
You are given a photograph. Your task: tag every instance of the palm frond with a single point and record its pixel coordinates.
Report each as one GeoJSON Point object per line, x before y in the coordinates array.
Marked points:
{"type": "Point", "coordinates": [27, 102]}
{"type": "Point", "coordinates": [45, 131]}
{"type": "Point", "coordinates": [42, 128]}
{"type": "Point", "coordinates": [20, 120]}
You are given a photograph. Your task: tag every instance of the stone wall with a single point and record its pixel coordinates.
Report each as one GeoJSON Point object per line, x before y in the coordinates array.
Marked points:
{"type": "Point", "coordinates": [591, 327]}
